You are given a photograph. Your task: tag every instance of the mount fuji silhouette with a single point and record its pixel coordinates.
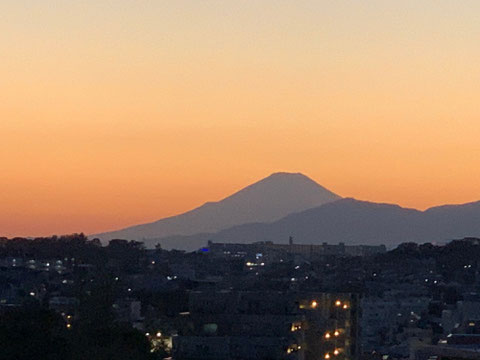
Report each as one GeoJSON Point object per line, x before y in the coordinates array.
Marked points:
{"type": "Point", "coordinates": [267, 200]}
{"type": "Point", "coordinates": [286, 204]}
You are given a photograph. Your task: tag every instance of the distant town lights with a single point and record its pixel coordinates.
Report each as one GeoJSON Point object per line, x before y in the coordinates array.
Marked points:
{"type": "Point", "coordinates": [338, 303]}
{"type": "Point", "coordinates": [314, 304]}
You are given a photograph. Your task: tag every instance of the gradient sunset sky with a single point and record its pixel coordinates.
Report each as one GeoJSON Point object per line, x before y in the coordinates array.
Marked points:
{"type": "Point", "coordinates": [120, 112]}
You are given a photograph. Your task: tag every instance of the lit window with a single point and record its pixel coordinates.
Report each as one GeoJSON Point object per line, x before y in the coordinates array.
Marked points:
{"type": "Point", "coordinates": [295, 327]}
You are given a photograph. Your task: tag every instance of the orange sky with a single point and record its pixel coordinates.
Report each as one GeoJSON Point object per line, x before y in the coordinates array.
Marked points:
{"type": "Point", "coordinates": [119, 112]}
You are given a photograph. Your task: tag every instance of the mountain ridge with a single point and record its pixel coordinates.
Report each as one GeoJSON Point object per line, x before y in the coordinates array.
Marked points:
{"type": "Point", "coordinates": [266, 200]}
{"type": "Point", "coordinates": [353, 222]}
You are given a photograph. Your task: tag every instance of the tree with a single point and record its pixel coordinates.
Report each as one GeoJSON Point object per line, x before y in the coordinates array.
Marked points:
{"type": "Point", "coordinates": [33, 333]}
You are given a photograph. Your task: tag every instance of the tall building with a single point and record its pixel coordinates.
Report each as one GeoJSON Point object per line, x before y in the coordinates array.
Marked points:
{"type": "Point", "coordinates": [268, 325]}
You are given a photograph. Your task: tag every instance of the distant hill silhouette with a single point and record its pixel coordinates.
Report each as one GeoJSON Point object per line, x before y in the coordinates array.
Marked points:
{"type": "Point", "coordinates": [352, 222]}
{"type": "Point", "coordinates": [267, 200]}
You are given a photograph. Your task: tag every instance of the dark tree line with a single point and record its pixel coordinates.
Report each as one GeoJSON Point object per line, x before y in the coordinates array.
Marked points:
{"type": "Point", "coordinates": [126, 255]}
{"type": "Point", "coordinates": [37, 333]}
